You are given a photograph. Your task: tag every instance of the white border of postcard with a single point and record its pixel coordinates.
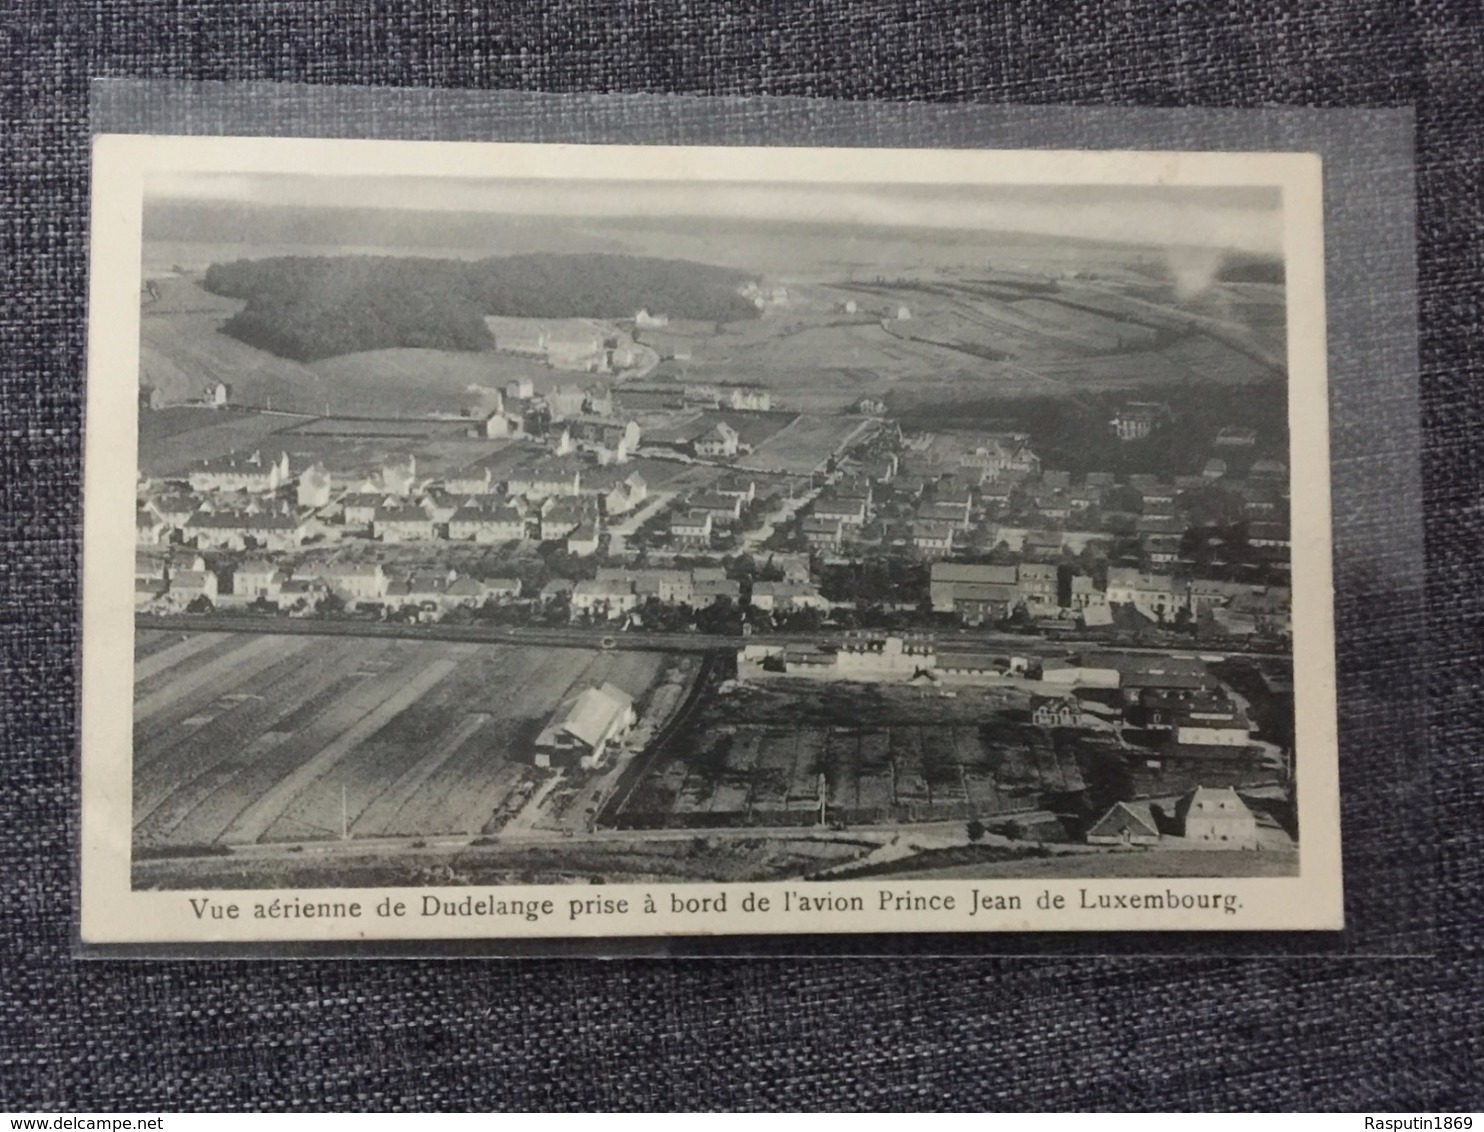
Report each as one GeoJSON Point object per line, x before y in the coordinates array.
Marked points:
{"type": "Point", "coordinates": [113, 913]}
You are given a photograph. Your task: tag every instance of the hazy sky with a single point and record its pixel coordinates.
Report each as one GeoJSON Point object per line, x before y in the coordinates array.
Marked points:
{"type": "Point", "coordinates": [1245, 219]}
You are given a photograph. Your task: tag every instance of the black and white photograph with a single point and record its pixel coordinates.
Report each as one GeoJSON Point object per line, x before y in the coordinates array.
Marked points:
{"type": "Point", "coordinates": [685, 524]}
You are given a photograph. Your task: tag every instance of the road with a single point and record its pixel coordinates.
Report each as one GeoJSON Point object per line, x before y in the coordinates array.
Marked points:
{"type": "Point", "coordinates": [958, 640]}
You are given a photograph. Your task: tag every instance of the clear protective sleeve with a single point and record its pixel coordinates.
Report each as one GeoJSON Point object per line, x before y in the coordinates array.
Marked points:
{"type": "Point", "coordinates": [1388, 836]}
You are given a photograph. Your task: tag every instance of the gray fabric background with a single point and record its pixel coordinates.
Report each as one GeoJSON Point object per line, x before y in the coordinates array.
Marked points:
{"type": "Point", "coordinates": [1191, 1028]}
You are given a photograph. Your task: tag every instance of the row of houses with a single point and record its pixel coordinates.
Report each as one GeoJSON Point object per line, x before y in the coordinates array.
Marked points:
{"type": "Point", "coordinates": [617, 591]}
{"type": "Point", "coordinates": [716, 508]}
{"type": "Point", "coordinates": [979, 593]}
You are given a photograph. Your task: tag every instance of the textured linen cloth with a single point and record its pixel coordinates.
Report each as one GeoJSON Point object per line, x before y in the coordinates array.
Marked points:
{"type": "Point", "coordinates": [1191, 1028]}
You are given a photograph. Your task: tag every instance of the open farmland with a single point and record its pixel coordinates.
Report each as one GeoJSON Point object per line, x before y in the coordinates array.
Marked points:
{"type": "Point", "coordinates": [172, 440]}
{"type": "Point", "coordinates": [806, 444]}
{"type": "Point", "coordinates": [244, 738]}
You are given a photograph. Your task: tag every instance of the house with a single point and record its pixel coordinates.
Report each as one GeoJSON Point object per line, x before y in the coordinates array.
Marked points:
{"type": "Point", "coordinates": [487, 521]}
{"type": "Point", "coordinates": [706, 591]}
{"type": "Point", "coordinates": [1214, 469]}
{"type": "Point", "coordinates": [149, 568]}
{"type": "Point", "coordinates": [974, 592]}
{"type": "Point", "coordinates": [149, 528]}
{"type": "Point", "coordinates": [584, 540]}
{"type": "Point", "coordinates": [188, 585]}
{"type": "Point", "coordinates": [1162, 708]}
{"type": "Point", "coordinates": [1099, 480]}
{"type": "Point", "coordinates": [584, 726]}
{"type": "Point", "coordinates": [881, 469]}
{"type": "Point", "coordinates": [1036, 583]}
{"type": "Point", "coordinates": [1269, 534]}
{"type": "Point", "coordinates": [1047, 544]}
{"type": "Point", "coordinates": [821, 532]}
{"type": "Point", "coordinates": [522, 389]}
{"type": "Point", "coordinates": [643, 320]}
{"type": "Point", "coordinates": [560, 517]}
{"type": "Point", "coordinates": [851, 512]}
{"type": "Point", "coordinates": [1216, 817]}
{"type": "Point", "coordinates": [1124, 823]}
{"type": "Point", "coordinates": [217, 394]}
{"type": "Point", "coordinates": [867, 406]}
{"type": "Point", "coordinates": [1085, 595]}
{"type": "Point", "coordinates": [469, 481]}
{"type": "Point", "coordinates": [399, 474]}
{"type": "Point", "coordinates": [795, 567]}
{"type": "Point", "coordinates": [555, 589]}
{"type": "Point", "coordinates": [610, 597]}
{"type": "Point", "coordinates": [691, 528]}
{"type": "Point", "coordinates": [501, 423]}
{"type": "Point", "coordinates": [440, 506]}
{"type": "Point", "coordinates": [1199, 731]}
{"type": "Point", "coordinates": [1083, 499]}
{"type": "Point", "coordinates": [931, 539]}
{"type": "Point", "coordinates": [749, 398]}
{"type": "Point", "coordinates": [1000, 453]}
{"type": "Point", "coordinates": [611, 441]}
{"type": "Point", "coordinates": [313, 489]}
{"type": "Point", "coordinates": [1234, 436]}
{"type": "Point", "coordinates": [736, 487]}
{"type": "Point", "coordinates": [676, 587]}
{"type": "Point", "coordinates": [256, 578]}
{"type": "Point", "coordinates": [237, 471]}
{"type": "Point", "coordinates": [1056, 480]}
{"type": "Point", "coordinates": [360, 507]}
{"type": "Point", "coordinates": [618, 493]}
{"type": "Point", "coordinates": [1137, 419]}
{"type": "Point", "coordinates": [544, 478]}
{"type": "Point", "coordinates": [358, 581]}
{"type": "Point", "coordinates": [598, 401]}
{"type": "Point", "coordinates": [1156, 596]}
{"type": "Point", "coordinates": [720, 441]}
{"type": "Point", "coordinates": [504, 589]}
{"type": "Point", "coordinates": [1056, 711]}
{"type": "Point", "coordinates": [1269, 470]}
{"type": "Point", "coordinates": [1161, 549]}
{"type": "Point", "coordinates": [723, 509]}
{"type": "Point", "coordinates": [952, 515]}
{"type": "Point", "coordinates": [564, 401]}
{"type": "Point", "coordinates": [402, 524]}
{"type": "Point", "coordinates": [241, 530]}
{"type": "Point", "coordinates": [176, 510]}
{"type": "Point", "coordinates": [148, 591]}
{"type": "Point", "coordinates": [781, 596]}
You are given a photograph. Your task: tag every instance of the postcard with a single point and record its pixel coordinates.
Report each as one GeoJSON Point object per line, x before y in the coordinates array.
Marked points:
{"type": "Point", "coordinates": [539, 541]}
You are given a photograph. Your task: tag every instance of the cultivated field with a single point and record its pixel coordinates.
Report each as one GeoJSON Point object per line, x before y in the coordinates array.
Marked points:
{"type": "Point", "coordinates": [171, 440]}
{"type": "Point", "coordinates": [806, 444]}
{"type": "Point", "coordinates": [242, 738]}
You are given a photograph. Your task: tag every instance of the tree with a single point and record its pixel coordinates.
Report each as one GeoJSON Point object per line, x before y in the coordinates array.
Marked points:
{"type": "Point", "coordinates": [976, 829]}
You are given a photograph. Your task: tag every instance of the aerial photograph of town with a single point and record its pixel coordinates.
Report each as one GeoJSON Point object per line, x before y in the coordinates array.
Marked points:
{"type": "Point", "coordinates": [521, 532]}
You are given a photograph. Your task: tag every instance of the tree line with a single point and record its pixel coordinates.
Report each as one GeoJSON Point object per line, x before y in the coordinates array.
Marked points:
{"type": "Point", "coordinates": [312, 307]}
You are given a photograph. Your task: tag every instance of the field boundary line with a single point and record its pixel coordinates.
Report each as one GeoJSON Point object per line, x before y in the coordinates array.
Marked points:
{"type": "Point", "coordinates": [255, 821]}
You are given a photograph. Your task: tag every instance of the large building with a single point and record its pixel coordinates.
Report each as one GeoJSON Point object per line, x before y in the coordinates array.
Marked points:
{"type": "Point", "coordinates": [584, 727]}
{"type": "Point", "coordinates": [975, 592]}
{"type": "Point", "coordinates": [240, 471]}
{"type": "Point", "coordinates": [1217, 818]}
